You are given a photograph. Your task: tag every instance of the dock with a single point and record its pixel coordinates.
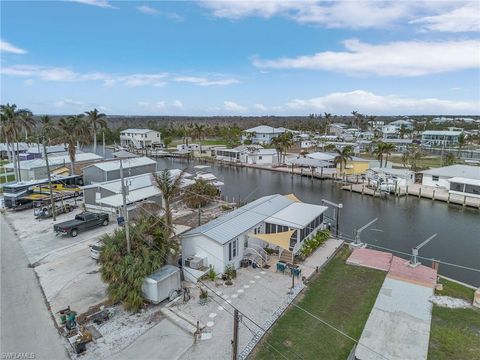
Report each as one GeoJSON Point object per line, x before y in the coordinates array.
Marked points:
{"type": "Point", "coordinates": [417, 190]}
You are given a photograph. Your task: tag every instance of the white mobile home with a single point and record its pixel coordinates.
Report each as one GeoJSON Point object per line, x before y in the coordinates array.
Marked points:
{"type": "Point", "coordinates": [276, 221]}
{"type": "Point", "coordinates": [440, 177]}
{"type": "Point", "coordinates": [262, 134]}
{"type": "Point", "coordinates": [110, 170]}
{"type": "Point", "coordinates": [140, 138]}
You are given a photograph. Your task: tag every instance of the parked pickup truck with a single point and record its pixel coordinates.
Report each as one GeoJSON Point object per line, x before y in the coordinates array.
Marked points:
{"type": "Point", "coordinates": [83, 221]}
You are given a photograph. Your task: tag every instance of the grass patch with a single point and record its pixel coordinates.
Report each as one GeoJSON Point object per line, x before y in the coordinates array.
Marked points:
{"type": "Point", "coordinates": [343, 296]}
{"type": "Point", "coordinates": [455, 290]}
{"type": "Point", "coordinates": [455, 334]}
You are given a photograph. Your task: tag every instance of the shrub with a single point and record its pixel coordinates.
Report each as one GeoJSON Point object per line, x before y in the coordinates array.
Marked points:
{"type": "Point", "coordinates": [212, 275]}
{"type": "Point", "coordinates": [230, 272]}
{"type": "Point", "coordinates": [200, 194]}
{"type": "Point", "coordinates": [310, 245]}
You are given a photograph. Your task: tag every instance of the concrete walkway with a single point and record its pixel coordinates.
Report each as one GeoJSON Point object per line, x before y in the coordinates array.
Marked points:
{"type": "Point", "coordinates": [26, 324]}
{"type": "Point", "coordinates": [398, 327]}
{"type": "Point", "coordinates": [320, 257]}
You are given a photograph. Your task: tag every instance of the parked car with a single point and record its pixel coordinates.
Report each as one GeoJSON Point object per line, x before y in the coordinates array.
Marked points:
{"type": "Point", "coordinates": [83, 221]}
{"type": "Point", "coordinates": [95, 250]}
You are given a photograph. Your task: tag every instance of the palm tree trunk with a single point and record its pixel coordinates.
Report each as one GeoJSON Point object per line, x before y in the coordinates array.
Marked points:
{"type": "Point", "coordinates": [18, 163]}
{"type": "Point", "coordinates": [386, 160]}
{"type": "Point", "coordinates": [94, 141]}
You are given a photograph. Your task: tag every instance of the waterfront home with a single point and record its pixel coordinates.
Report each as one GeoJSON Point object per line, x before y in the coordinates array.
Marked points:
{"type": "Point", "coordinates": [401, 145]}
{"type": "Point", "coordinates": [274, 221]}
{"type": "Point", "coordinates": [336, 129]}
{"type": "Point", "coordinates": [441, 138]}
{"type": "Point", "coordinates": [407, 124]}
{"type": "Point", "coordinates": [355, 166]}
{"type": "Point", "coordinates": [388, 179]}
{"type": "Point", "coordinates": [390, 131]}
{"type": "Point", "coordinates": [110, 170]}
{"type": "Point", "coordinates": [37, 168]}
{"type": "Point", "coordinates": [188, 147]}
{"type": "Point", "coordinates": [459, 179]}
{"type": "Point", "coordinates": [107, 196]}
{"type": "Point", "coordinates": [6, 150]}
{"type": "Point", "coordinates": [140, 138]}
{"type": "Point", "coordinates": [262, 134]}
{"type": "Point", "coordinates": [248, 154]}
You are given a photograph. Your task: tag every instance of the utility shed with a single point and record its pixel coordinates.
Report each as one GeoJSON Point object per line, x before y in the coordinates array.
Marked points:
{"type": "Point", "coordinates": [110, 170]}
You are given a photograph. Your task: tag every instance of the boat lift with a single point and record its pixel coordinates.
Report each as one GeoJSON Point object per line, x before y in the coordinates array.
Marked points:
{"type": "Point", "coordinates": [414, 261]}
{"type": "Point", "coordinates": [357, 243]}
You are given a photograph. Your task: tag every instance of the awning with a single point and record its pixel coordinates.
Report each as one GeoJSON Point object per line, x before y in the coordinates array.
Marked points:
{"type": "Point", "coordinates": [281, 239]}
{"type": "Point", "coordinates": [292, 197]}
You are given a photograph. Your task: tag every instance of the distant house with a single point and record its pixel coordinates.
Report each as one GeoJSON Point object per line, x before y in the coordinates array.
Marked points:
{"type": "Point", "coordinates": [456, 178]}
{"type": "Point", "coordinates": [110, 170]}
{"type": "Point", "coordinates": [248, 154]}
{"type": "Point", "coordinates": [37, 168]}
{"type": "Point", "coordinates": [262, 134]}
{"type": "Point", "coordinates": [355, 166]}
{"type": "Point", "coordinates": [407, 124]}
{"type": "Point", "coordinates": [441, 138]}
{"type": "Point", "coordinates": [390, 131]}
{"type": "Point", "coordinates": [140, 138]}
{"type": "Point", "coordinates": [274, 221]}
{"type": "Point", "coordinates": [401, 145]}
{"type": "Point", "coordinates": [188, 147]}
{"type": "Point", "coordinates": [388, 179]}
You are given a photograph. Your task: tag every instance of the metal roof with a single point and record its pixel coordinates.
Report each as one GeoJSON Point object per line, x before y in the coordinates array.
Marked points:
{"type": "Point", "coordinates": [441, 132]}
{"type": "Point", "coordinates": [297, 215]}
{"type": "Point", "coordinates": [126, 163]}
{"type": "Point", "coordinates": [136, 131]}
{"type": "Point", "coordinates": [264, 129]}
{"type": "Point", "coordinates": [55, 161]}
{"type": "Point", "coordinates": [462, 180]}
{"type": "Point", "coordinates": [132, 197]}
{"type": "Point", "coordinates": [236, 222]}
{"type": "Point", "coordinates": [465, 171]}
{"type": "Point", "coordinates": [307, 162]}
{"type": "Point", "coordinates": [124, 154]}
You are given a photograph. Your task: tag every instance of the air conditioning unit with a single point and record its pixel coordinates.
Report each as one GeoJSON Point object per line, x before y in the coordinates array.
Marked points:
{"type": "Point", "coordinates": [194, 262]}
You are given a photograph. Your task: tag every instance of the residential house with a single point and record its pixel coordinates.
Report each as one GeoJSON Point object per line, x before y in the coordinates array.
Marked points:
{"type": "Point", "coordinates": [441, 138]}
{"type": "Point", "coordinates": [274, 221]}
{"type": "Point", "coordinates": [37, 168]}
{"type": "Point", "coordinates": [140, 138]}
{"type": "Point", "coordinates": [110, 170]}
{"type": "Point", "coordinates": [248, 154]}
{"type": "Point", "coordinates": [388, 179]}
{"type": "Point", "coordinates": [262, 134]}
{"type": "Point", "coordinates": [401, 145]}
{"type": "Point", "coordinates": [453, 175]}
{"type": "Point", "coordinates": [390, 131]}
{"type": "Point", "coordinates": [355, 166]}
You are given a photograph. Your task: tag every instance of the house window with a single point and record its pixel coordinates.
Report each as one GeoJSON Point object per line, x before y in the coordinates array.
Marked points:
{"type": "Point", "coordinates": [259, 158]}
{"type": "Point", "coordinates": [232, 249]}
{"type": "Point", "coordinates": [434, 178]}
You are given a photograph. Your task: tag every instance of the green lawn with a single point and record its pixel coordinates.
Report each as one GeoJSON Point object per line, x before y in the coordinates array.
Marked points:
{"type": "Point", "coordinates": [343, 296]}
{"type": "Point", "coordinates": [455, 290]}
{"type": "Point", "coordinates": [455, 334]}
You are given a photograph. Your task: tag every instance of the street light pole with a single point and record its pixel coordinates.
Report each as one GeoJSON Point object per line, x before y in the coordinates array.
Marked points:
{"type": "Point", "coordinates": [125, 210]}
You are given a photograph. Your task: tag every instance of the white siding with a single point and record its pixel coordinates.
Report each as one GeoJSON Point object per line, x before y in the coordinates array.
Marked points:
{"type": "Point", "coordinates": [442, 181]}
{"type": "Point", "coordinates": [202, 246]}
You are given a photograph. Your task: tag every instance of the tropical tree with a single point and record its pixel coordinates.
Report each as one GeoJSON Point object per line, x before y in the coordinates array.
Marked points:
{"type": "Point", "coordinates": [449, 159]}
{"type": "Point", "coordinates": [170, 187]}
{"type": "Point", "coordinates": [198, 132]}
{"type": "Point", "coordinates": [287, 142]}
{"type": "Point", "coordinates": [329, 148]}
{"type": "Point", "coordinates": [379, 151]}
{"type": "Point", "coordinates": [47, 128]}
{"type": "Point", "coordinates": [13, 122]}
{"type": "Point", "coordinates": [199, 194]}
{"type": "Point", "coordinates": [125, 272]}
{"type": "Point", "coordinates": [342, 156]}
{"type": "Point", "coordinates": [387, 150]}
{"type": "Point", "coordinates": [413, 156]}
{"type": "Point", "coordinates": [327, 117]}
{"type": "Point", "coordinates": [462, 140]}
{"type": "Point", "coordinates": [97, 121]}
{"type": "Point", "coordinates": [73, 130]}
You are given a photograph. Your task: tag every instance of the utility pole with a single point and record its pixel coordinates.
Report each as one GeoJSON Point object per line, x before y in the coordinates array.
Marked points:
{"type": "Point", "coordinates": [52, 201]}
{"type": "Point", "coordinates": [125, 210]}
{"type": "Point", "coordinates": [336, 213]}
{"type": "Point", "coordinates": [235, 335]}
{"type": "Point", "coordinates": [103, 139]}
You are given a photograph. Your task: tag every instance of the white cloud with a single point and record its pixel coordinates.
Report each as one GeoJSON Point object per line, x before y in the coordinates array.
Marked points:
{"type": "Point", "coordinates": [69, 103]}
{"type": "Point", "coordinates": [177, 104]}
{"type": "Point", "coordinates": [5, 46]}
{"type": "Point", "coordinates": [202, 81]}
{"type": "Point", "coordinates": [462, 19]}
{"type": "Point", "coordinates": [233, 106]}
{"type": "Point", "coordinates": [100, 3]}
{"type": "Point", "coordinates": [403, 58]}
{"type": "Point", "coordinates": [452, 16]}
{"type": "Point", "coordinates": [155, 12]}
{"type": "Point", "coordinates": [260, 107]}
{"type": "Point", "coordinates": [369, 103]}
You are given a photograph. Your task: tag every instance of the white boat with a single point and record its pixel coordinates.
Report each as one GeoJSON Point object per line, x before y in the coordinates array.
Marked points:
{"type": "Point", "coordinates": [206, 177]}
{"type": "Point", "coordinates": [201, 167]}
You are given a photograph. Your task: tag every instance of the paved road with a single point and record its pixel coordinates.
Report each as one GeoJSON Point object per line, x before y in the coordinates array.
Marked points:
{"type": "Point", "coordinates": [26, 324]}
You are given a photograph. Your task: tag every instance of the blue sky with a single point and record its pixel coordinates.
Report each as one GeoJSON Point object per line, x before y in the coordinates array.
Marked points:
{"type": "Point", "coordinates": [248, 58]}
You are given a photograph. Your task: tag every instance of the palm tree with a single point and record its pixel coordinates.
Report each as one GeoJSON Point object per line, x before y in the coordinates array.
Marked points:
{"type": "Point", "coordinates": [354, 114]}
{"type": "Point", "coordinates": [13, 122]}
{"type": "Point", "coordinates": [198, 132]}
{"type": "Point", "coordinates": [379, 151]}
{"type": "Point", "coordinates": [387, 150]}
{"type": "Point", "coordinates": [200, 194]}
{"type": "Point", "coordinates": [327, 117]}
{"type": "Point", "coordinates": [47, 127]}
{"type": "Point", "coordinates": [96, 120]}
{"type": "Point", "coordinates": [343, 156]}
{"type": "Point", "coordinates": [287, 142]}
{"type": "Point", "coordinates": [72, 130]}
{"type": "Point", "coordinates": [414, 154]}
{"type": "Point", "coordinates": [170, 187]}
{"type": "Point", "coordinates": [277, 143]}
{"type": "Point", "coordinates": [461, 142]}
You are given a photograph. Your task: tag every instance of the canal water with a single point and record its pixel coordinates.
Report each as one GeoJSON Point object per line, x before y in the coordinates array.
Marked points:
{"type": "Point", "coordinates": [402, 224]}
